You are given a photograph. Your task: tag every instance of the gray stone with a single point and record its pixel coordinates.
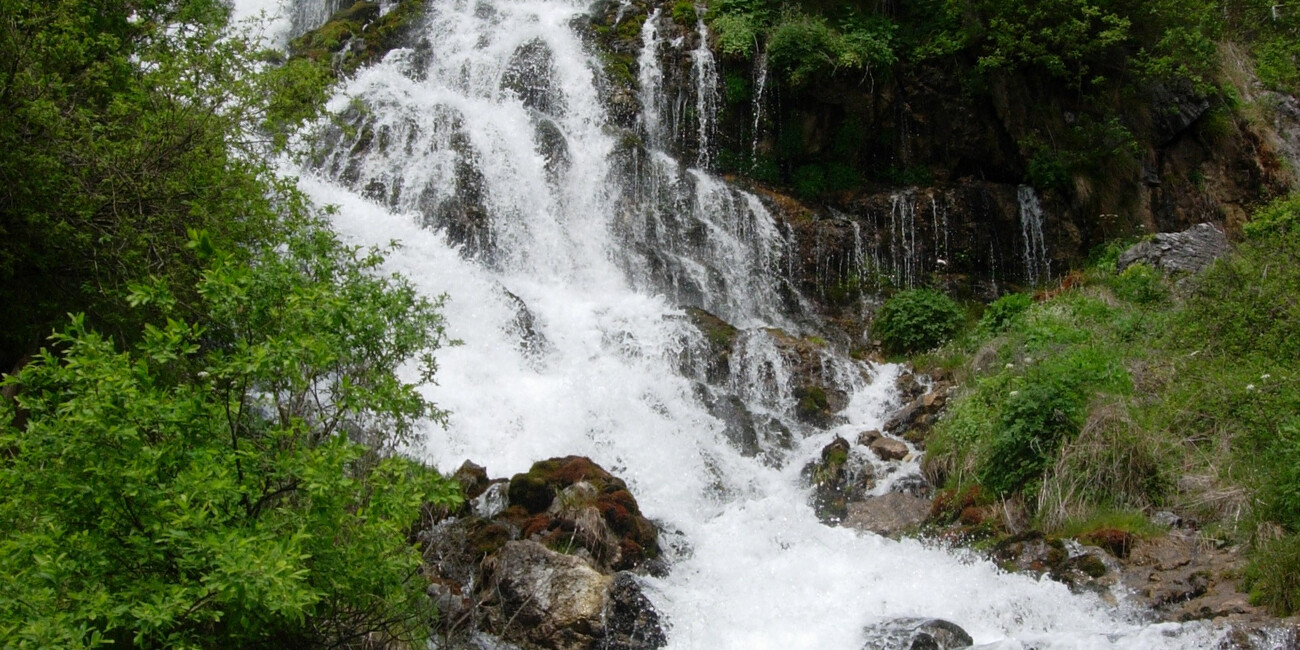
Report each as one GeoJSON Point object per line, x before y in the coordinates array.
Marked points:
{"type": "Point", "coordinates": [890, 514]}
{"type": "Point", "coordinates": [1189, 251]}
{"type": "Point", "coordinates": [916, 634]}
{"type": "Point", "coordinates": [889, 449]}
{"type": "Point", "coordinates": [544, 598]}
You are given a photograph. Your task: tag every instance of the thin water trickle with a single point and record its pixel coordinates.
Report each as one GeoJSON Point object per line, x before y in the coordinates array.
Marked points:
{"type": "Point", "coordinates": [490, 160]}
{"type": "Point", "coordinates": [1037, 265]}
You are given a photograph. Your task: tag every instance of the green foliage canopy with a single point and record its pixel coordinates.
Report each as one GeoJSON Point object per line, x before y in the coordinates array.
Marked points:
{"type": "Point", "coordinates": [208, 487]}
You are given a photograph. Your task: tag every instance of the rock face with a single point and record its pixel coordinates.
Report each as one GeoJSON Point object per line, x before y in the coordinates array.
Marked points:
{"type": "Point", "coordinates": [916, 634]}
{"type": "Point", "coordinates": [551, 566]}
{"type": "Point", "coordinates": [1189, 251]}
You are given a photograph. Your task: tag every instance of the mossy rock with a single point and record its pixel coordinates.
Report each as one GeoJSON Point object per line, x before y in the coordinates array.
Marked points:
{"type": "Point", "coordinates": [720, 334]}
{"type": "Point", "coordinates": [358, 33]}
{"type": "Point", "coordinates": [534, 491]}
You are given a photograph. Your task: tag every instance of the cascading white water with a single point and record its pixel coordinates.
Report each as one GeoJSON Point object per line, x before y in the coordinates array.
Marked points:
{"type": "Point", "coordinates": [490, 160]}
{"type": "Point", "coordinates": [650, 77]}
{"type": "Point", "coordinates": [760, 87]}
{"type": "Point", "coordinates": [1037, 265]}
{"type": "Point", "coordinates": [902, 226]}
{"type": "Point", "coordinates": [706, 95]}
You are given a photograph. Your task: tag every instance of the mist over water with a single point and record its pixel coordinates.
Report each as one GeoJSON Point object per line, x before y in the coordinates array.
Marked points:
{"type": "Point", "coordinates": [569, 260]}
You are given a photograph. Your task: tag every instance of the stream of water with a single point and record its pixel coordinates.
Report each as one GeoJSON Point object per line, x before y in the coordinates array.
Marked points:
{"type": "Point", "coordinates": [517, 200]}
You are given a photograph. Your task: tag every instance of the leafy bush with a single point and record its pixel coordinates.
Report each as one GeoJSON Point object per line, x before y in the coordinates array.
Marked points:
{"type": "Point", "coordinates": [1141, 284]}
{"type": "Point", "coordinates": [802, 46]}
{"type": "Point", "coordinates": [809, 181]}
{"type": "Point", "coordinates": [209, 486]}
{"type": "Point", "coordinates": [737, 33]}
{"type": "Point", "coordinates": [917, 320]}
{"type": "Point", "coordinates": [1034, 422]}
{"type": "Point", "coordinates": [1280, 217]}
{"type": "Point", "coordinates": [1001, 313]}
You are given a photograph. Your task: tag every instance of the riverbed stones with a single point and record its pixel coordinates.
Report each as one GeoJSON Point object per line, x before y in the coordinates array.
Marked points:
{"type": "Point", "coordinates": [916, 634]}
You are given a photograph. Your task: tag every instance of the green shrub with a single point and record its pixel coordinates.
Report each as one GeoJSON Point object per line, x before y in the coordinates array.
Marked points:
{"type": "Point", "coordinates": [684, 12]}
{"type": "Point", "coordinates": [802, 46]}
{"type": "Point", "coordinates": [1141, 284]}
{"type": "Point", "coordinates": [1273, 576]}
{"type": "Point", "coordinates": [737, 33]}
{"type": "Point", "coordinates": [1034, 422]}
{"type": "Point", "coordinates": [917, 320]}
{"type": "Point", "coordinates": [809, 181]}
{"type": "Point", "coordinates": [1280, 217]}
{"type": "Point", "coordinates": [1001, 313]}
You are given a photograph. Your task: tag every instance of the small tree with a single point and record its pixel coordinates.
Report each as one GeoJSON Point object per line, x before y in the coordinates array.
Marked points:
{"type": "Point", "coordinates": [210, 486]}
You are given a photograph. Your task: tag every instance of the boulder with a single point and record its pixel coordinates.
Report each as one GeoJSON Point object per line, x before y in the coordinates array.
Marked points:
{"type": "Point", "coordinates": [889, 449]}
{"type": "Point", "coordinates": [536, 563]}
{"type": "Point", "coordinates": [1189, 251]}
{"type": "Point", "coordinates": [838, 479]}
{"type": "Point", "coordinates": [916, 634]}
{"type": "Point", "coordinates": [544, 598]}
{"type": "Point", "coordinates": [891, 514]}
{"type": "Point", "coordinates": [572, 503]}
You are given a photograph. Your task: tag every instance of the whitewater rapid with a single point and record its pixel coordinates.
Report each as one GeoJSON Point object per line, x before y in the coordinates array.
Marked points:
{"type": "Point", "coordinates": [751, 565]}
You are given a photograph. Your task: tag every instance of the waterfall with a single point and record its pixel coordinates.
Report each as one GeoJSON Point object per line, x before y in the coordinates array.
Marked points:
{"type": "Point", "coordinates": [490, 157]}
{"type": "Point", "coordinates": [1037, 265]}
{"type": "Point", "coordinates": [706, 95]}
{"type": "Point", "coordinates": [903, 246]}
{"type": "Point", "coordinates": [760, 86]}
{"type": "Point", "coordinates": [650, 76]}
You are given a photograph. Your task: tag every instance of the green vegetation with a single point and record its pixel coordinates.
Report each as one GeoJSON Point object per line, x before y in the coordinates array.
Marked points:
{"type": "Point", "coordinates": [917, 320]}
{"type": "Point", "coordinates": [209, 486]}
{"type": "Point", "coordinates": [1131, 391]}
{"type": "Point", "coordinates": [203, 455]}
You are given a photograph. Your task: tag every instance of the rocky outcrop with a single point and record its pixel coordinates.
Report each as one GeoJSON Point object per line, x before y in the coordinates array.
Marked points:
{"type": "Point", "coordinates": [1189, 251]}
{"type": "Point", "coordinates": [838, 479]}
{"type": "Point", "coordinates": [553, 566]}
{"type": "Point", "coordinates": [916, 634]}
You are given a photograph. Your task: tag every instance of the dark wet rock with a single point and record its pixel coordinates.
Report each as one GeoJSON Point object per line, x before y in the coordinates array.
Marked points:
{"type": "Point", "coordinates": [752, 434]}
{"type": "Point", "coordinates": [916, 634]}
{"type": "Point", "coordinates": [838, 479]}
{"type": "Point", "coordinates": [891, 514]}
{"type": "Point", "coordinates": [631, 621]}
{"type": "Point", "coordinates": [1031, 552]}
{"type": "Point", "coordinates": [1189, 251]}
{"type": "Point", "coordinates": [1082, 568]}
{"type": "Point", "coordinates": [530, 74]}
{"type": "Point", "coordinates": [553, 147]}
{"type": "Point", "coordinates": [531, 341]}
{"type": "Point", "coordinates": [914, 421]}
{"type": "Point", "coordinates": [1174, 107]}
{"type": "Point", "coordinates": [358, 34]}
{"type": "Point", "coordinates": [473, 479]}
{"type": "Point", "coordinates": [718, 340]}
